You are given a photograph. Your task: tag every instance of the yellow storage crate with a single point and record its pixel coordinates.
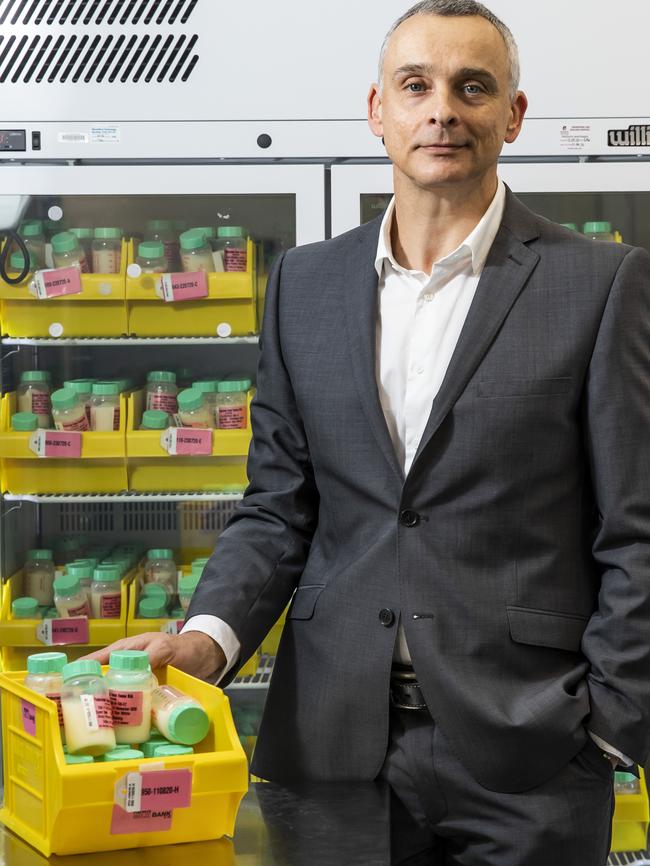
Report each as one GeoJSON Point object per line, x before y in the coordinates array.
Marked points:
{"type": "Point", "coordinates": [631, 817]}
{"type": "Point", "coordinates": [18, 636]}
{"type": "Point", "coordinates": [151, 468]}
{"type": "Point", "coordinates": [100, 469]}
{"type": "Point", "coordinates": [231, 301]}
{"type": "Point", "coordinates": [271, 642]}
{"type": "Point", "coordinates": [98, 311]}
{"type": "Point", "coordinates": [69, 809]}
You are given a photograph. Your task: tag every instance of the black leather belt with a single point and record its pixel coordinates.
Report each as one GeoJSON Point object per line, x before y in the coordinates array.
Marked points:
{"type": "Point", "coordinates": [405, 691]}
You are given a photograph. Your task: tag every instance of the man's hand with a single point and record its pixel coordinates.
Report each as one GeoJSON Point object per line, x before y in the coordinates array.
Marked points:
{"type": "Point", "coordinates": [193, 652]}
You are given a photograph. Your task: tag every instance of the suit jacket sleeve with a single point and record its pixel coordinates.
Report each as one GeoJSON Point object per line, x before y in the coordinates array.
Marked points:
{"type": "Point", "coordinates": [260, 555]}
{"type": "Point", "coordinates": [617, 430]}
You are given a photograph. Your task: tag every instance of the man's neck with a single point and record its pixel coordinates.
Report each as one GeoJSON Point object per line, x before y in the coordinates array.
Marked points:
{"type": "Point", "coordinates": [428, 225]}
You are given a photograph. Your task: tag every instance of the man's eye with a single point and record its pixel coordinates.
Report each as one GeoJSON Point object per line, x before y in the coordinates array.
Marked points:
{"type": "Point", "coordinates": [415, 84]}
{"type": "Point", "coordinates": [472, 89]}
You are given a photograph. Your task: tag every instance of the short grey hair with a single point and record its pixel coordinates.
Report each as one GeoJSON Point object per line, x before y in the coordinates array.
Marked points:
{"type": "Point", "coordinates": [459, 8]}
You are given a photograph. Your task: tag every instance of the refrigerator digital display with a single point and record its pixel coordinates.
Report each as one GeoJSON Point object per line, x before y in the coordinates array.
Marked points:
{"type": "Point", "coordinates": [13, 139]}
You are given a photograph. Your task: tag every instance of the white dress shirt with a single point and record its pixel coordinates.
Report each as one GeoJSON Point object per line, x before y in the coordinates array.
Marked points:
{"type": "Point", "coordinates": [419, 320]}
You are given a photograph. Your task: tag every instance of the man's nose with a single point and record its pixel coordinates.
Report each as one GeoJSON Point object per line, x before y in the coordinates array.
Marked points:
{"type": "Point", "coordinates": [442, 109]}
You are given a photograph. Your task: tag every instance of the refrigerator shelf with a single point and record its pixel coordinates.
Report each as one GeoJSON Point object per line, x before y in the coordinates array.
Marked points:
{"type": "Point", "coordinates": [56, 498]}
{"type": "Point", "coordinates": [128, 341]}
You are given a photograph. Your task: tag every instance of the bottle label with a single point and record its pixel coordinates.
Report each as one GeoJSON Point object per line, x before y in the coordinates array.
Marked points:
{"type": "Point", "coordinates": [171, 254]}
{"type": "Point", "coordinates": [116, 418]}
{"type": "Point", "coordinates": [106, 261]}
{"type": "Point", "coordinates": [162, 401]}
{"type": "Point", "coordinates": [234, 260]}
{"type": "Point", "coordinates": [126, 707]}
{"type": "Point", "coordinates": [59, 709]}
{"type": "Point", "coordinates": [28, 713]}
{"type": "Point", "coordinates": [111, 606]}
{"type": "Point", "coordinates": [40, 402]}
{"type": "Point", "coordinates": [80, 424]}
{"type": "Point", "coordinates": [58, 281]}
{"type": "Point", "coordinates": [80, 610]}
{"type": "Point", "coordinates": [232, 417]}
{"type": "Point", "coordinates": [97, 711]}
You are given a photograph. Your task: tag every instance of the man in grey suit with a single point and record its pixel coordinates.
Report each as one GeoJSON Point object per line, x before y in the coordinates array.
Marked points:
{"type": "Point", "coordinates": [449, 480]}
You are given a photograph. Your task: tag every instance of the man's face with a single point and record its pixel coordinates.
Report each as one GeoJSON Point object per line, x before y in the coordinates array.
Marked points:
{"type": "Point", "coordinates": [445, 110]}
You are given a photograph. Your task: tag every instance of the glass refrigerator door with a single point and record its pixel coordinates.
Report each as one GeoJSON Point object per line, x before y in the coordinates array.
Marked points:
{"type": "Point", "coordinates": [571, 193]}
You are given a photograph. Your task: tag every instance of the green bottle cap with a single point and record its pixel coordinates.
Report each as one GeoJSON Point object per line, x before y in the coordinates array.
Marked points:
{"type": "Point", "coordinates": [188, 724]}
{"type": "Point", "coordinates": [80, 570]}
{"type": "Point", "coordinates": [122, 755]}
{"type": "Point", "coordinates": [188, 582]}
{"type": "Point", "coordinates": [206, 386]}
{"type": "Point", "coordinates": [207, 231]}
{"type": "Point", "coordinates": [64, 398]}
{"type": "Point", "coordinates": [193, 239]}
{"type": "Point", "coordinates": [230, 232]}
{"type": "Point", "coordinates": [17, 261]}
{"type": "Point", "coordinates": [31, 228]}
{"type": "Point", "coordinates": [41, 553]}
{"type": "Point", "coordinates": [68, 584]}
{"type": "Point", "coordinates": [167, 751]}
{"type": "Point", "coordinates": [596, 228]}
{"type": "Point", "coordinates": [79, 386]}
{"type": "Point", "coordinates": [46, 663]}
{"type": "Point", "coordinates": [79, 759]}
{"type": "Point", "coordinates": [161, 376]}
{"type": "Point", "coordinates": [230, 386]}
{"type": "Point", "coordinates": [82, 667]}
{"type": "Point", "coordinates": [154, 742]}
{"type": "Point", "coordinates": [160, 553]}
{"type": "Point", "coordinates": [25, 608]}
{"type": "Point", "coordinates": [158, 225]}
{"type": "Point", "coordinates": [154, 590]}
{"type": "Point", "coordinates": [572, 226]}
{"type": "Point", "coordinates": [64, 242]}
{"type": "Point", "coordinates": [189, 400]}
{"type": "Point", "coordinates": [108, 234]}
{"type": "Point", "coordinates": [107, 572]}
{"type": "Point", "coordinates": [155, 419]}
{"type": "Point", "coordinates": [152, 607]}
{"type": "Point", "coordinates": [35, 376]}
{"type": "Point", "coordinates": [24, 421]}
{"type": "Point", "coordinates": [106, 388]}
{"type": "Point", "coordinates": [82, 233]}
{"type": "Point", "coordinates": [151, 250]}
{"type": "Point", "coordinates": [622, 778]}
{"type": "Point", "coordinates": [129, 660]}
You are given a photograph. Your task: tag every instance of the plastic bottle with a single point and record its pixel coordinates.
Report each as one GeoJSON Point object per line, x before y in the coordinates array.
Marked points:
{"type": "Point", "coordinates": [68, 253]}
{"type": "Point", "coordinates": [160, 568]}
{"type": "Point", "coordinates": [186, 586]}
{"type": "Point", "coordinates": [86, 709]}
{"type": "Point", "coordinates": [196, 254]}
{"type": "Point", "coordinates": [151, 257]}
{"type": "Point", "coordinates": [154, 419]}
{"type": "Point", "coordinates": [34, 395]}
{"type": "Point", "coordinates": [106, 592]}
{"type": "Point", "coordinates": [209, 388]}
{"type": "Point", "coordinates": [178, 716]}
{"type": "Point", "coordinates": [107, 250]}
{"type": "Point", "coordinates": [69, 597]}
{"type": "Point", "coordinates": [38, 575]}
{"type": "Point", "coordinates": [68, 411]}
{"type": "Point", "coordinates": [44, 677]}
{"type": "Point", "coordinates": [162, 391]}
{"type": "Point", "coordinates": [83, 389]}
{"type": "Point", "coordinates": [154, 742]}
{"type": "Point", "coordinates": [231, 243]}
{"type": "Point", "coordinates": [31, 232]}
{"type": "Point", "coordinates": [24, 422]}
{"type": "Point", "coordinates": [232, 403]}
{"type": "Point", "coordinates": [85, 238]}
{"type": "Point", "coordinates": [163, 231]}
{"type": "Point", "coordinates": [83, 571]}
{"type": "Point", "coordinates": [25, 608]}
{"type": "Point", "coordinates": [626, 783]}
{"type": "Point", "coordinates": [105, 406]}
{"type": "Point", "coordinates": [170, 750]}
{"type": "Point", "coordinates": [130, 684]}
{"type": "Point", "coordinates": [17, 262]}
{"type": "Point", "coordinates": [598, 231]}
{"type": "Point", "coordinates": [192, 409]}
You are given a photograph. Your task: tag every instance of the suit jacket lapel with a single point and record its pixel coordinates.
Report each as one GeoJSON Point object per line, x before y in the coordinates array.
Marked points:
{"type": "Point", "coordinates": [507, 269]}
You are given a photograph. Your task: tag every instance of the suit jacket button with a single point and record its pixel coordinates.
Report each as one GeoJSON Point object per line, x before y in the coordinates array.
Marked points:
{"type": "Point", "coordinates": [386, 617]}
{"type": "Point", "coordinates": [409, 518]}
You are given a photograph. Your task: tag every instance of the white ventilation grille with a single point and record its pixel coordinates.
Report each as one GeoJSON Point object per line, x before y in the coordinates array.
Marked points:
{"type": "Point", "coordinates": [51, 56]}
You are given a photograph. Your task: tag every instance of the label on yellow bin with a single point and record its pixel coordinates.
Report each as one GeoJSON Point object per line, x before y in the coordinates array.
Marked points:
{"type": "Point", "coordinates": [56, 282]}
{"type": "Point", "coordinates": [184, 287]}
{"type": "Point", "coordinates": [55, 443]}
{"type": "Point", "coordinates": [53, 632]}
{"type": "Point", "coordinates": [187, 441]}
{"type": "Point", "coordinates": [145, 802]}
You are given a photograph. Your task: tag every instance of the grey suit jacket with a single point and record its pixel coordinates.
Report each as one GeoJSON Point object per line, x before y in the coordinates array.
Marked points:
{"type": "Point", "coordinates": [516, 550]}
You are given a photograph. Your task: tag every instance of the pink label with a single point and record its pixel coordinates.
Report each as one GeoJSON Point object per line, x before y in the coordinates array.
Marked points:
{"type": "Point", "coordinates": [40, 402]}
{"type": "Point", "coordinates": [232, 417]}
{"type": "Point", "coordinates": [61, 281]}
{"type": "Point", "coordinates": [70, 630]}
{"type": "Point", "coordinates": [111, 606]}
{"type": "Point", "coordinates": [149, 821]}
{"type": "Point", "coordinates": [171, 254]}
{"type": "Point", "coordinates": [164, 402]}
{"type": "Point", "coordinates": [193, 441]}
{"type": "Point", "coordinates": [103, 711]}
{"type": "Point", "coordinates": [116, 418]}
{"type": "Point", "coordinates": [159, 793]}
{"type": "Point", "coordinates": [186, 286]}
{"type": "Point", "coordinates": [234, 260]}
{"type": "Point", "coordinates": [59, 708]}
{"type": "Point", "coordinates": [126, 707]}
{"type": "Point", "coordinates": [62, 444]}
{"type": "Point", "coordinates": [166, 789]}
{"type": "Point", "coordinates": [28, 712]}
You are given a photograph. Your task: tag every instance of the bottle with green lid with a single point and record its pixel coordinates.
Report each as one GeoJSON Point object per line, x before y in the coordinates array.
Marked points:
{"type": "Point", "coordinates": [154, 742]}
{"type": "Point", "coordinates": [231, 247]}
{"type": "Point", "coordinates": [107, 250]}
{"type": "Point", "coordinates": [179, 717]}
{"type": "Point", "coordinates": [170, 750]}
{"type": "Point", "coordinates": [68, 412]}
{"type": "Point", "coordinates": [67, 252]}
{"type": "Point", "coordinates": [626, 783]}
{"type": "Point", "coordinates": [186, 586]}
{"type": "Point", "coordinates": [572, 226]}
{"type": "Point", "coordinates": [38, 576]}
{"type": "Point", "coordinates": [24, 422]}
{"type": "Point", "coordinates": [86, 704]}
{"type": "Point", "coordinates": [598, 230]}
{"type": "Point", "coordinates": [193, 411]}
{"type": "Point", "coordinates": [85, 237]}
{"type": "Point", "coordinates": [196, 254]}
{"type": "Point", "coordinates": [105, 406]}
{"type": "Point", "coordinates": [160, 568]}
{"type": "Point", "coordinates": [83, 389]}
{"type": "Point", "coordinates": [209, 388]}
{"type": "Point", "coordinates": [17, 262]}
{"type": "Point", "coordinates": [34, 396]}
{"type": "Point", "coordinates": [121, 755]}
{"type": "Point", "coordinates": [69, 597]}
{"type": "Point", "coordinates": [106, 592]}
{"type": "Point", "coordinates": [130, 684]}
{"type": "Point", "coordinates": [44, 677]}
{"type": "Point", "coordinates": [151, 257]}
{"type": "Point", "coordinates": [232, 404]}
{"type": "Point", "coordinates": [162, 391]}
{"type": "Point", "coordinates": [25, 608]}
{"type": "Point", "coordinates": [83, 571]}
{"type": "Point", "coordinates": [31, 232]}
{"type": "Point", "coordinates": [154, 419]}
{"type": "Point", "coordinates": [164, 231]}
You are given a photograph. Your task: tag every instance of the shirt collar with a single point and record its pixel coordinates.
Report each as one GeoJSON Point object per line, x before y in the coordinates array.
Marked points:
{"type": "Point", "coordinates": [475, 247]}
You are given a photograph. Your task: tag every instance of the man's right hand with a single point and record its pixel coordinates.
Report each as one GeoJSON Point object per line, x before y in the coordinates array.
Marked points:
{"type": "Point", "coordinates": [193, 652]}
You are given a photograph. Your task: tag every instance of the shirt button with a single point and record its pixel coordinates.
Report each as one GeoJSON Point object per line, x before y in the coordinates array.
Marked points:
{"type": "Point", "coordinates": [386, 617]}
{"type": "Point", "coordinates": [409, 518]}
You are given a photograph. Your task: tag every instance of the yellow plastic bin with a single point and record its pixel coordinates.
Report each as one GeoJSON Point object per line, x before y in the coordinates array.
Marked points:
{"type": "Point", "coordinates": [228, 310]}
{"type": "Point", "coordinates": [152, 468]}
{"type": "Point", "coordinates": [100, 469]}
{"type": "Point", "coordinates": [99, 310]}
{"type": "Point", "coordinates": [70, 809]}
{"type": "Point", "coordinates": [271, 642]}
{"type": "Point", "coordinates": [631, 817]}
{"type": "Point", "coordinates": [19, 639]}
